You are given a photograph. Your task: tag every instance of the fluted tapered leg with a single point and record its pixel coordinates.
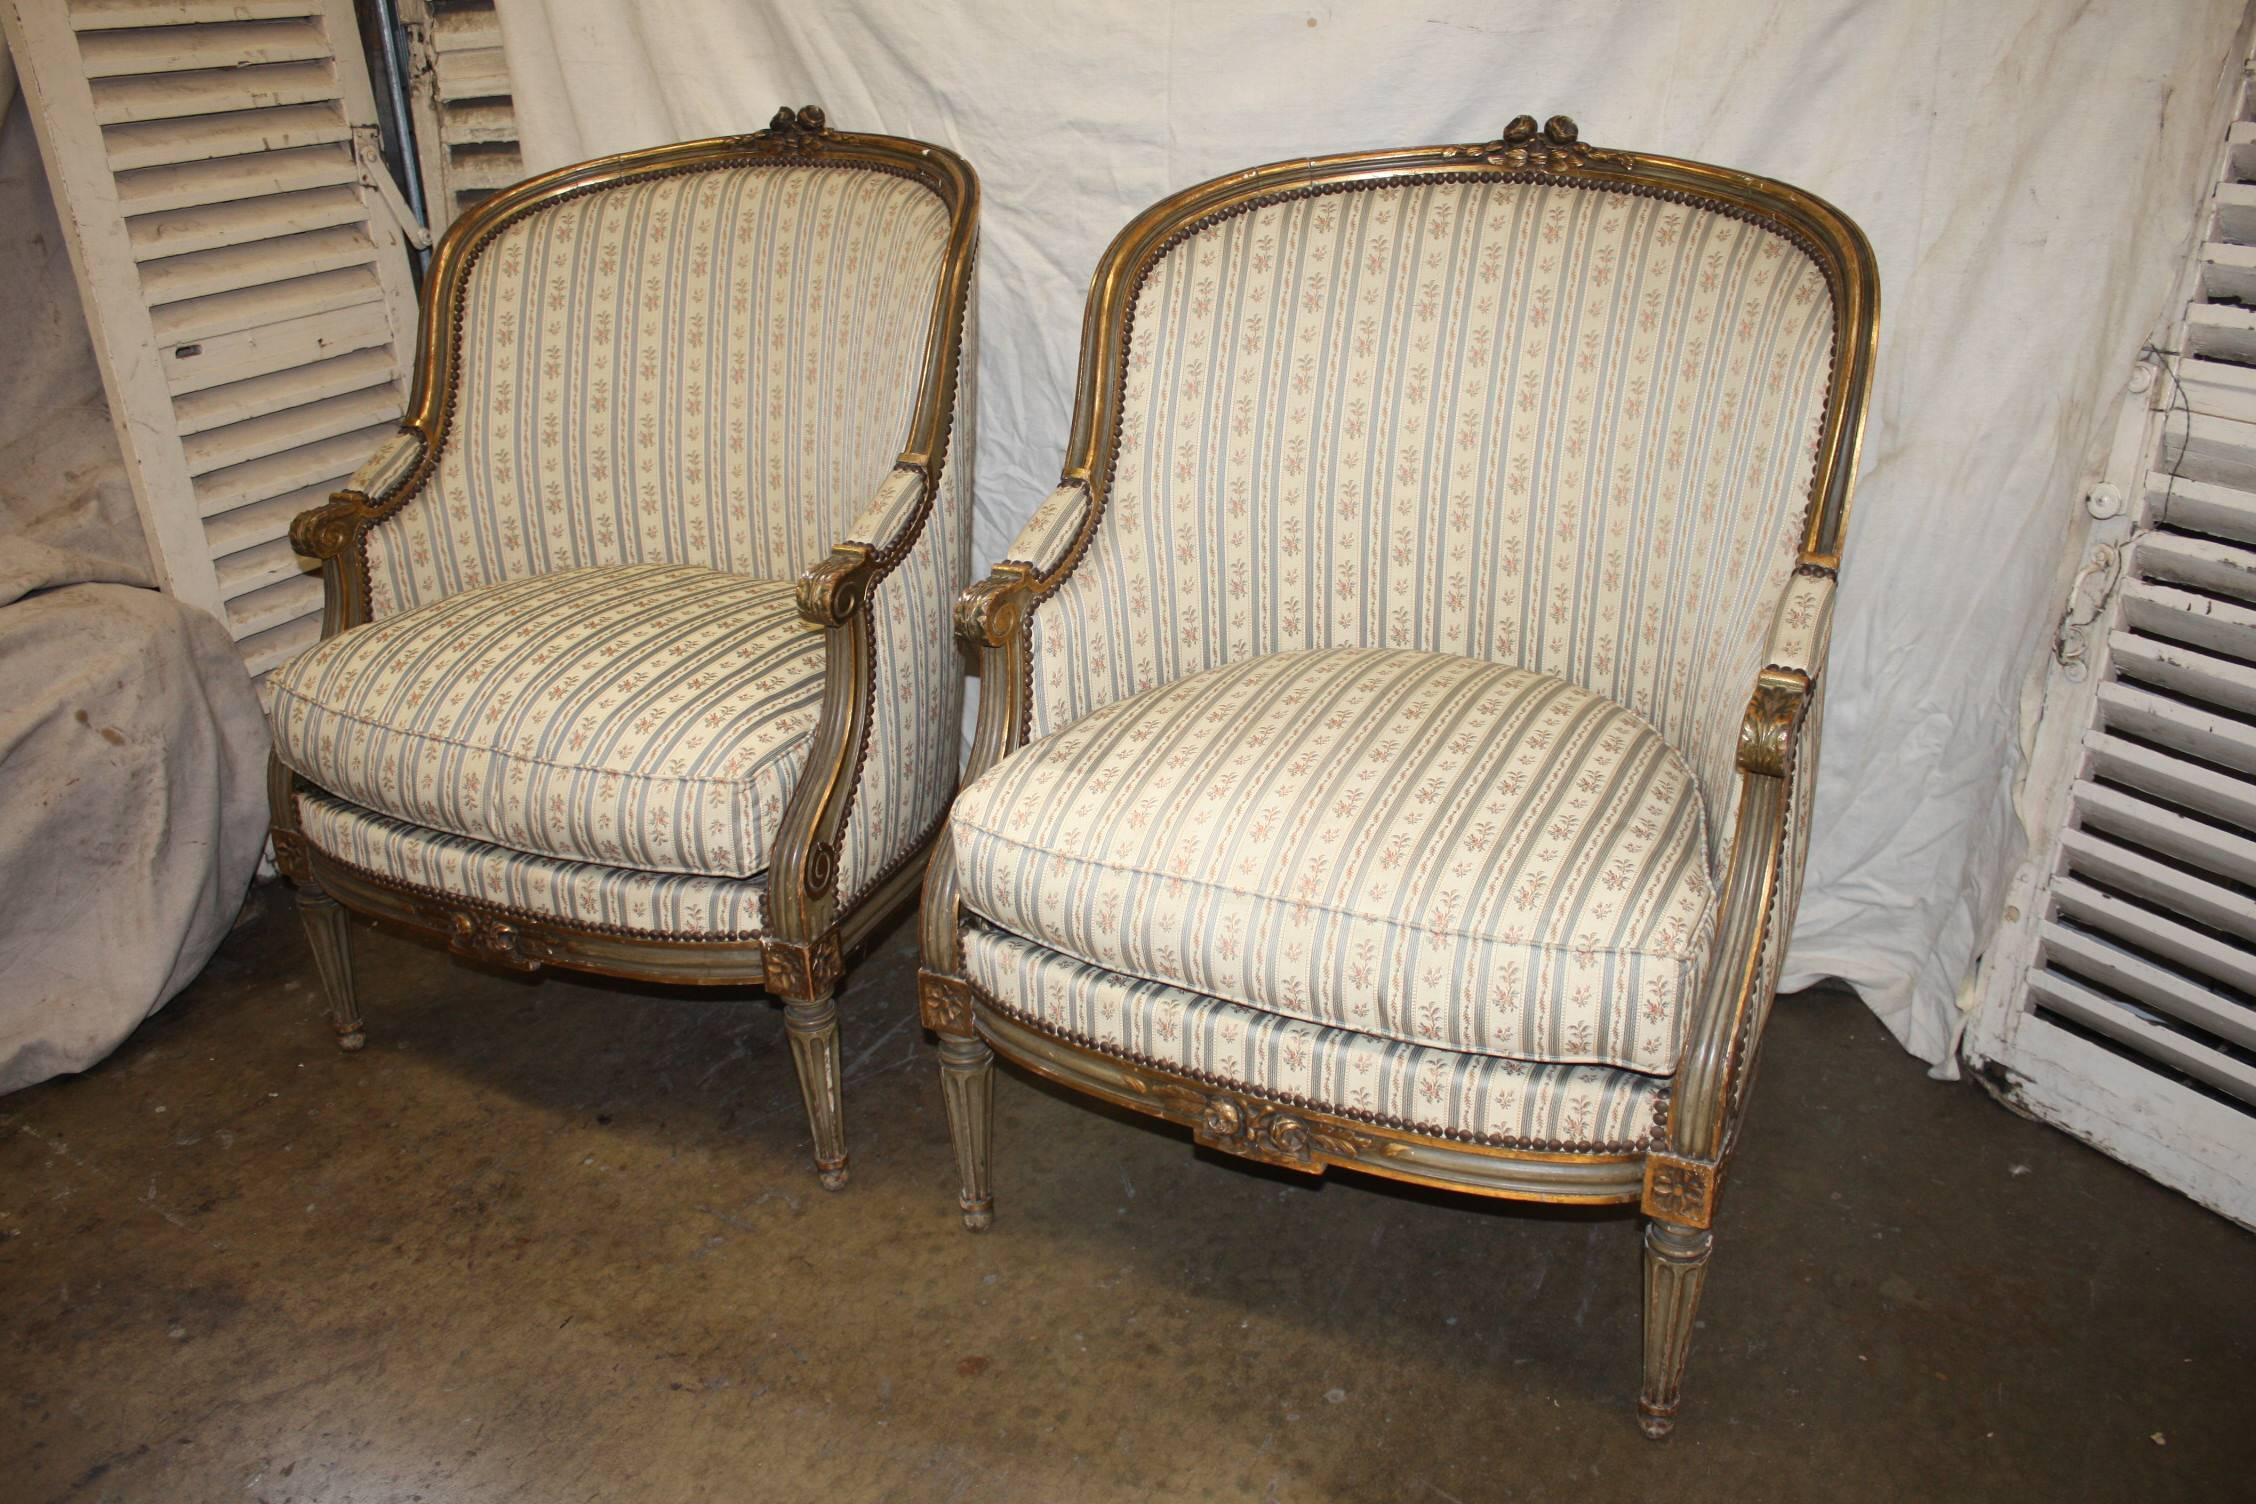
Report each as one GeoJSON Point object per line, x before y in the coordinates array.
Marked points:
{"type": "Point", "coordinates": [329, 935]}
{"type": "Point", "coordinates": [813, 1027]}
{"type": "Point", "coordinates": [967, 1084]}
{"type": "Point", "coordinates": [1676, 1266]}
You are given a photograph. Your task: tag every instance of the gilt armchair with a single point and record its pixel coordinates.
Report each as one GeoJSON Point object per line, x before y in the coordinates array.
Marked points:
{"type": "Point", "coordinates": [1396, 731]}
{"type": "Point", "coordinates": [636, 655]}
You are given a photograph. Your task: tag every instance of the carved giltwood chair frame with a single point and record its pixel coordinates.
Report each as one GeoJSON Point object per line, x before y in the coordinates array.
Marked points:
{"type": "Point", "coordinates": [1674, 1175]}
{"type": "Point", "coordinates": [811, 925]}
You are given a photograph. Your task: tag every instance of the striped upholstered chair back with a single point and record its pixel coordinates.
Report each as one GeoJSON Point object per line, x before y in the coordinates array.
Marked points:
{"type": "Point", "coordinates": [1554, 425]}
{"type": "Point", "coordinates": [713, 366]}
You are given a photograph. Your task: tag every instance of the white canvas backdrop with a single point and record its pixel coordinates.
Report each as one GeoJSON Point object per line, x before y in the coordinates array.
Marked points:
{"type": "Point", "coordinates": [2028, 170]}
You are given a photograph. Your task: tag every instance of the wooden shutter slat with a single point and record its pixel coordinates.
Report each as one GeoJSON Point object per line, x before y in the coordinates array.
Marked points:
{"type": "Point", "coordinates": [157, 143]}
{"type": "Point", "coordinates": [208, 319]}
{"type": "Point", "coordinates": [99, 15]}
{"type": "Point", "coordinates": [177, 232]}
{"type": "Point", "coordinates": [222, 44]}
{"type": "Point", "coordinates": [276, 432]}
{"type": "Point", "coordinates": [257, 480]}
{"type": "Point", "coordinates": [201, 274]}
{"type": "Point", "coordinates": [214, 407]}
{"type": "Point", "coordinates": [276, 347]}
{"type": "Point", "coordinates": [189, 185]}
{"type": "Point", "coordinates": [2157, 986]}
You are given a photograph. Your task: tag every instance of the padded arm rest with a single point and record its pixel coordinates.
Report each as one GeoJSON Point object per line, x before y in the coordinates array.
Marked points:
{"type": "Point", "coordinates": [834, 587]}
{"type": "Point", "coordinates": [1799, 636]}
{"type": "Point", "coordinates": [330, 531]}
{"type": "Point", "coordinates": [1804, 624]}
{"type": "Point", "coordinates": [988, 613]}
{"type": "Point", "coordinates": [391, 464]}
{"type": "Point", "coordinates": [890, 511]}
{"type": "Point", "coordinates": [1042, 543]}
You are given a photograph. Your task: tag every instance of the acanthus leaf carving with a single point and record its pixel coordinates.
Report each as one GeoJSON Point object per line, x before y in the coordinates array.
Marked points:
{"type": "Point", "coordinates": [1774, 715]}
{"type": "Point", "coordinates": [328, 530]}
{"type": "Point", "coordinates": [835, 586]}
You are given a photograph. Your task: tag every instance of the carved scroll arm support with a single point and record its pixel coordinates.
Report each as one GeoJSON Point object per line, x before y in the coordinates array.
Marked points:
{"type": "Point", "coordinates": [838, 594]}
{"type": "Point", "coordinates": [331, 533]}
{"type": "Point", "coordinates": [1760, 874]}
{"type": "Point", "coordinates": [991, 619]}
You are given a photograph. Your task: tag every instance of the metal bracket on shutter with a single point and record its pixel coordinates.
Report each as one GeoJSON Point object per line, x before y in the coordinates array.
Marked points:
{"type": "Point", "coordinates": [369, 154]}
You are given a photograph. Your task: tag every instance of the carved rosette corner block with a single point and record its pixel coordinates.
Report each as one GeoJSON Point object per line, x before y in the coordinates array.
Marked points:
{"type": "Point", "coordinates": [482, 937]}
{"type": "Point", "coordinates": [802, 971]}
{"type": "Point", "coordinates": [1766, 734]}
{"type": "Point", "coordinates": [944, 1004]}
{"type": "Point", "coordinates": [1679, 1190]}
{"type": "Point", "coordinates": [290, 857]}
{"type": "Point", "coordinates": [327, 531]}
{"type": "Point", "coordinates": [1253, 1129]}
{"type": "Point", "coordinates": [1556, 145]}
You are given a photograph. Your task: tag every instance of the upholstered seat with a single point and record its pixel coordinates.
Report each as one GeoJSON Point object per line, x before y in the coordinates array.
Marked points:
{"type": "Point", "coordinates": [1416, 846]}
{"type": "Point", "coordinates": [1480, 1099]}
{"type": "Point", "coordinates": [648, 716]}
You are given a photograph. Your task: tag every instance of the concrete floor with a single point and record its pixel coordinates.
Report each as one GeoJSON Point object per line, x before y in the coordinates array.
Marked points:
{"type": "Point", "coordinates": [561, 1242]}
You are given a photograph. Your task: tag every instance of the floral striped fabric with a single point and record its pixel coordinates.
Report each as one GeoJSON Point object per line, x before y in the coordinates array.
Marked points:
{"type": "Point", "coordinates": [1416, 846]}
{"type": "Point", "coordinates": [581, 893]}
{"type": "Point", "coordinates": [1481, 1098]}
{"type": "Point", "coordinates": [645, 715]}
{"type": "Point", "coordinates": [714, 367]}
{"type": "Point", "coordinates": [1556, 427]}
{"type": "Point", "coordinates": [916, 726]}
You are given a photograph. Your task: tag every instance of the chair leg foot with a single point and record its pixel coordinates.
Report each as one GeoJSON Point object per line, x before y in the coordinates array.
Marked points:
{"type": "Point", "coordinates": [967, 1084]}
{"type": "Point", "coordinates": [813, 1028]}
{"type": "Point", "coordinates": [1676, 1266]}
{"type": "Point", "coordinates": [329, 936]}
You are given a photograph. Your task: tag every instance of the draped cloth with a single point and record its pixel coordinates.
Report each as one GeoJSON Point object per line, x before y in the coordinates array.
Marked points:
{"type": "Point", "coordinates": [132, 750]}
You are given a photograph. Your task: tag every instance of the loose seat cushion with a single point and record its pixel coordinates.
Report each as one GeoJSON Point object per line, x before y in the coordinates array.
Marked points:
{"type": "Point", "coordinates": [1417, 846]}
{"type": "Point", "coordinates": [1480, 1098]}
{"type": "Point", "coordinates": [642, 716]}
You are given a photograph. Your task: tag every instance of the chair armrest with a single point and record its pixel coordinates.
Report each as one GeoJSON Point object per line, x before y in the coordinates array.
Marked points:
{"type": "Point", "coordinates": [389, 467]}
{"type": "Point", "coordinates": [990, 612]}
{"type": "Point", "coordinates": [331, 530]}
{"type": "Point", "coordinates": [991, 618]}
{"type": "Point", "coordinates": [1800, 634]}
{"type": "Point", "coordinates": [834, 587]}
{"type": "Point", "coordinates": [1762, 876]}
{"type": "Point", "coordinates": [1047, 538]}
{"type": "Point", "coordinates": [1803, 628]}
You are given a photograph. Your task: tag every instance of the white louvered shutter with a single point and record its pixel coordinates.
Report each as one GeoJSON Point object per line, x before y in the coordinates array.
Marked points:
{"type": "Point", "coordinates": [243, 271]}
{"type": "Point", "coordinates": [2120, 998]}
{"type": "Point", "coordinates": [465, 120]}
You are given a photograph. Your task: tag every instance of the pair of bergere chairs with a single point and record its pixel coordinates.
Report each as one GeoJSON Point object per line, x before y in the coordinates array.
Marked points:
{"type": "Point", "coordinates": [1395, 733]}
